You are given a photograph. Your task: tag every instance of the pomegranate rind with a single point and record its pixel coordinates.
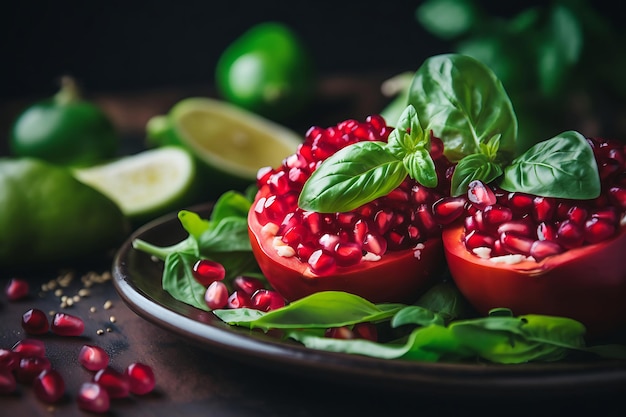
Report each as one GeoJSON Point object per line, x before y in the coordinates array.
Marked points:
{"type": "Point", "coordinates": [399, 277]}
{"type": "Point", "coordinates": [587, 284]}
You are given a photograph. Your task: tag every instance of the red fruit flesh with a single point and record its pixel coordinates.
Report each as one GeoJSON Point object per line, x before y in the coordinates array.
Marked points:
{"type": "Point", "coordinates": [141, 378]}
{"type": "Point", "coordinates": [35, 321]}
{"type": "Point", "coordinates": [115, 383]}
{"type": "Point", "coordinates": [67, 325]}
{"type": "Point", "coordinates": [206, 271]}
{"type": "Point", "coordinates": [49, 386]}
{"type": "Point", "coordinates": [216, 295]}
{"type": "Point", "coordinates": [30, 367]}
{"type": "Point", "coordinates": [29, 347]}
{"type": "Point", "coordinates": [586, 283]}
{"type": "Point", "coordinates": [386, 250]}
{"type": "Point", "coordinates": [93, 358]}
{"type": "Point", "coordinates": [17, 289]}
{"type": "Point", "coordinates": [92, 397]}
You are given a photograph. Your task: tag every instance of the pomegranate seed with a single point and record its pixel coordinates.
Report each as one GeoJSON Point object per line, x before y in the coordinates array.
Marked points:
{"type": "Point", "coordinates": [216, 295]}
{"type": "Point", "coordinates": [64, 324]}
{"type": "Point", "coordinates": [448, 209]}
{"type": "Point", "coordinates": [206, 271]}
{"type": "Point", "coordinates": [577, 215]}
{"type": "Point", "coordinates": [17, 289]}
{"type": "Point", "coordinates": [476, 239]}
{"type": "Point", "coordinates": [267, 300]}
{"type": "Point", "coordinates": [343, 333]}
{"type": "Point", "coordinates": [520, 203]}
{"type": "Point", "coordinates": [618, 197]}
{"type": "Point", "coordinates": [569, 235]}
{"type": "Point", "coordinates": [596, 230]}
{"type": "Point", "coordinates": [238, 300]}
{"type": "Point", "coordinates": [8, 384]}
{"type": "Point", "coordinates": [496, 215]}
{"type": "Point", "coordinates": [9, 359]}
{"type": "Point", "coordinates": [541, 249]}
{"type": "Point", "coordinates": [546, 232]}
{"type": "Point", "coordinates": [516, 244]}
{"type": "Point", "coordinates": [321, 263]}
{"type": "Point", "coordinates": [522, 227]}
{"type": "Point", "coordinates": [480, 194]}
{"type": "Point", "coordinates": [29, 347]}
{"type": "Point", "coordinates": [543, 208]}
{"type": "Point", "coordinates": [114, 382]}
{"type": "Point", "coordinates": [141, 378]}
{"type": "Point", "coordinates": [35, 321]}
{"type": "Point", "coordinates": [347, 254]}
{"type": "Point", "coordinates": [365, 331]}
{"type": "Point", "coordinates": [93, 358]}
{"type": "Point", "coordinates": [49, 386]}
{"type": "Point", "coordinates": [92, 397]}
{"type": "Point", "coordinates": [30, 367]}
{"type": "Point", "coordinates": [247, 285]}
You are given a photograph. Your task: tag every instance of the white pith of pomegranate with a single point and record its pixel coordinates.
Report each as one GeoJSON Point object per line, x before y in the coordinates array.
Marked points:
{"type": "Point", "coordinates": [326, 251]}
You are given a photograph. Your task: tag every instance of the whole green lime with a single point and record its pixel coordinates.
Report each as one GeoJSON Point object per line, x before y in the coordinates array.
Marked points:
{"type": "Point", "coordinates": [49, 216]}
{"type": "Point", "coordinates": [267, 70]}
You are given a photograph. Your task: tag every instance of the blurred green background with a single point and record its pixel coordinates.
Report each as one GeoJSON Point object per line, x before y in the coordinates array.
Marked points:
{"type": "Point", "coordinates": [562, 62]}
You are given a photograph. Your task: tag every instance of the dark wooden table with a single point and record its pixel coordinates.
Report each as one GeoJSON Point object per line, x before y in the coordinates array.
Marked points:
{"type": "Point", "coordinates": [195, 381]}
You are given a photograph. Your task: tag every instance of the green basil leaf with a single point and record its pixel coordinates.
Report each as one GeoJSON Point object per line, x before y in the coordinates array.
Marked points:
{"type": "Point", "coordinates": [416, 315]}
{"type": "Point", "coordinates": [230, 204]}
{"type": "Point", "coordinates": [421, 167]}
{"type": "Point", "coordinates": [562, 167]}
{"type": "Point", "coordinates": [193, 223]}
{"type": "Point", "coordinates": [462, 101]}
{"type": "Point", "coordinates": [448, 18]}
{"type": "Point", "coordinates": [179, 282]}
{"type": "Point", "coordinates": [230, 234]}
{"type": "Point", "coordinates": [319, 310]}
{"type": "Point", "coordinates": [351, 177]}
{"type": "Point", "coordinates": [470, 168]}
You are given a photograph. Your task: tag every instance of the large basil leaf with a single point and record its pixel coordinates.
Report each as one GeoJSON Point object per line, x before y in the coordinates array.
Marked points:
{"type": "Point", "coordinates": [464, 104]}
{"type": "Point", "coordinates": [562, 167]}
{"type": "Point", "coordinates": [351, 177]}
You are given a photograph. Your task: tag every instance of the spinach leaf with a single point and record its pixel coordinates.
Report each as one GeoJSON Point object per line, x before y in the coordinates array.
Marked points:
{"type": "Point", "coordinates": [351, 177]}
{"type": "Point", "coordinates": [179, 282]}
{"type": "Point", "coordinates": [465, 105]}
{"type": "Point", "coordinates": [562, 167]}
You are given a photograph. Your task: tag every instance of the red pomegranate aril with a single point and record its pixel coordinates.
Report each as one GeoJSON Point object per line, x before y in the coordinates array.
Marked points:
{"type": "Point", "coordinates": [577, 214]}
{"type": "Point", "coordinates": [541, 249]}
{"type": "Point", "coordinates": [546, 232]}
{"type": "Point", "coordinates": [448, 209]}
{"type": "Point", "coordinates": [294, 235]}
{"type": "Point", "coordinates": [374, 244]}
{"type": "Point", "coordinates": [238, 299]}
{"type": "Point", "coordinates": [365, 331]}
{"type": "Point", "coordinates": [476, 239]}
{"type": "Point", "coordinates": [520, 203]}
{"type": "Point", "coordinates": [206, 271]}
{"type": "Point", "coordinates": [617, 195]}
{"type": "Point", "coordinates": [216, 295]}
{"type": "Point", "coordinates": [17, 289]}
{"type": "Point", "coordinates": [266, 300]}
{"type": "Point", "coordinates": [383, 219]}
{"type": "Point", "coordinates": [609, 214]}
{"type": "Point", "coordinates": [114, 382]}
{"type": "Point", "coordinates": [516, 244]}
{"type": "Point", "coordinates": [344, 333]}
{"type": "Point", "coordinates": [480, 194]}
{"type": "Point", "coordinates": [9, 360]}
{"type": "Point", "coordinates": [30, 367]}
{"type": "Point", "coordinates": [29, 347]}
{"type": "Point", "coordinates": [49, 386]}
{"type": "Point", "coordinates": [347, 253]}
{"type": "Point", "coordinates": [35, 321]}
{"type": "Point", "coordinates": [522, 227]}
{"type": "Point", "coordinates": [141, 378]}
{"type": "Point", "coordinates": [596, 230]}
{"type": "Point", "coordinates": [93, 397]}
{"type": "Point", "coordinates": [570, 235]}
{"type": "Point", "coordinates": [322, 263]}
{"type": "Point", "coordinates": [93, 358]}
{"type": "Point", "coordinates": [8, 384]}
{"type": "Point", "coordinates": [64, 324]}
{"type": "Point", "coordinates": [543, 208]}
{"type": "Point", "coordinates": [427, 219]}
{"type": "Point", "coordinates": [495, 215]}
{"type": "Point", "coordinates": [246, 284]}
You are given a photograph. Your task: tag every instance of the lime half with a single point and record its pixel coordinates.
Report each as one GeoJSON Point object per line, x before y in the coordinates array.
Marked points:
{"type": "Point", "coordinates": [230, 143]}
{"type": "Point", "coordinates": [146, 184]}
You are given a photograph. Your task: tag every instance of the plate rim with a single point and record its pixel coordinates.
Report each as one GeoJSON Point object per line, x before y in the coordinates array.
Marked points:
{"type": "Point", "coordinates": [434, 377]}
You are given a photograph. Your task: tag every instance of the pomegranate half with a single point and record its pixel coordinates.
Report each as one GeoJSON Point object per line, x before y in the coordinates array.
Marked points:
{"type": "Point", "coordinates": [387, 250]}
{"type": "Point", "coordinates": [399, 276]}
{"type": "Point", "coordinates": [586, 283]}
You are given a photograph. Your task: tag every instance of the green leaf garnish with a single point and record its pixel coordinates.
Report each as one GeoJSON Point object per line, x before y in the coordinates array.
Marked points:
{"type": "Point", "coordinates": [561, 167]}
{"type": "Point", "coordinates": [477, 166]}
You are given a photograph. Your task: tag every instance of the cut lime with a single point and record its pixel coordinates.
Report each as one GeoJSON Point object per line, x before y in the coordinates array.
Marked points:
{"type": "Point", "coordinates": [230, 143]}
{"type": "Point", "coordinates": [146, 184]}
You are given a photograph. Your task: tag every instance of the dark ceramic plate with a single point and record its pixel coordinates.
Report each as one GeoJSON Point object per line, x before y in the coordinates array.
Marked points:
{"type": "Point", "coordinates": [137, 279]}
